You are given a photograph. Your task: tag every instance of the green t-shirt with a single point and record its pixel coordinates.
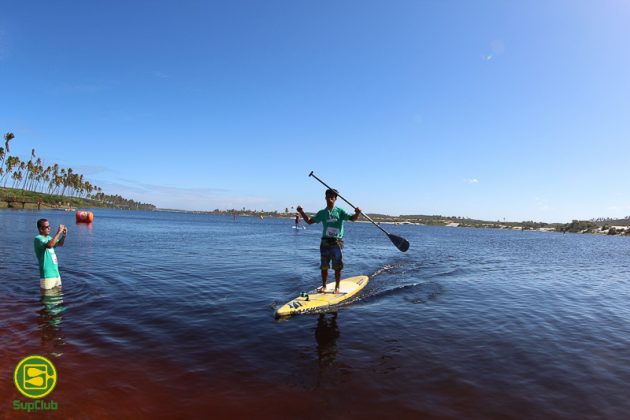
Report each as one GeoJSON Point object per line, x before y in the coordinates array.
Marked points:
{"type": "Point", "coordinates": [332, 221]}
{"type": "Point", "coordinates": [46, 257]}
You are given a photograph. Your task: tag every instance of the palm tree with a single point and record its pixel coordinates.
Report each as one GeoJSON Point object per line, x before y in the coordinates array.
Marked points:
{"type": "Point", "coordinates": [62, 180]}
{"type": "Point", "coordinates": [39, 174]}
{"type": "Point", "coordinates": [66, 180]}
{"type": "Point", "coordinates": [17, 176]}
{"type": "Point", "coordinates": [4, 151]}
{"type": "Point", "coordinates": [45, 177]}
{"type": "Point", "coordinates": [12, 162]}
{"type": "Point", "coordinates": [29, 170]}
{"type": "Point", "coordinates": [2, 155]}
{"type": "Point", "coordinates": [53, 177]}
{"type": "Point", "coordinates": [7, 138]}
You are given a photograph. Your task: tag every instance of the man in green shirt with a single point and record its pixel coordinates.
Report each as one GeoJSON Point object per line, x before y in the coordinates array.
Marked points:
{"type": "Point", "coordinates": [332, 219]}
{"type": "Point", "coordinates": [45, 252]}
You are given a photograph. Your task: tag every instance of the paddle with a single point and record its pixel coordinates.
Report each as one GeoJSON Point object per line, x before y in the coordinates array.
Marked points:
{"type": "Point", "coordinates": [401, 243]}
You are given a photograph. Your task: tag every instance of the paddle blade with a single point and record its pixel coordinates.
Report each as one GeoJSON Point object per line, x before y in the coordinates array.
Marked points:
{"type": "Point", "coordinates": [401, 243]}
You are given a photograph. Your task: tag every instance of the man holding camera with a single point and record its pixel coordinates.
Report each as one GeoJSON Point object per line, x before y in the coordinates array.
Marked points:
{"type": "Point", "coordinates": [45, 252]}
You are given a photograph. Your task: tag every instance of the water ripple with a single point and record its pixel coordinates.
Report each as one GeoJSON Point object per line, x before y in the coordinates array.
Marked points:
{"type": "Point", "coordinates": [169, 308]}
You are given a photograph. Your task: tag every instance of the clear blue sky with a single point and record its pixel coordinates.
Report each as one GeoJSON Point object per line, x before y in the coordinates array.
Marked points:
{"type": "Point", "coordinates": [487, 109]}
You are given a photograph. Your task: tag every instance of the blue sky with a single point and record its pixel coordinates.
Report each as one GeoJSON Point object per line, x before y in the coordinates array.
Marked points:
{"type": "Point", "coordinates": [489, 109]}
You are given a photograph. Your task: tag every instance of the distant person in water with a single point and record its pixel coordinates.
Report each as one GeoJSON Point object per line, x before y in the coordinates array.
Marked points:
{"type": "Point", "coordinates": [297, 221]}
{"type": "Point", "coordinates": [332, 219]}
{"type": "Point", "coordinates": [49, 277]}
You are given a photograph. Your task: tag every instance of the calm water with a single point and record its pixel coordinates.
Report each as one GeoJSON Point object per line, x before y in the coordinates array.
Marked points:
{"type": "Point", "coordinates": [166, 313]}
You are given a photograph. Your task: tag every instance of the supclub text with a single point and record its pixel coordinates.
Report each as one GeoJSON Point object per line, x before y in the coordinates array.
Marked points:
{"type": "Point", "coordinates": [39, 405]}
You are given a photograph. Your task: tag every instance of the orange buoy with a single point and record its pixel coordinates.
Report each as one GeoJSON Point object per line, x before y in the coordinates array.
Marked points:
{"type": "Point", "coordinates": [84, 216]}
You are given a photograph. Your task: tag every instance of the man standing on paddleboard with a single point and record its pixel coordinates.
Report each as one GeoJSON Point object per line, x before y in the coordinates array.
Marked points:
{"type": "Point", "coordinates": [45, 252]}
{"type": "Point", "coordinates": [332, 219]}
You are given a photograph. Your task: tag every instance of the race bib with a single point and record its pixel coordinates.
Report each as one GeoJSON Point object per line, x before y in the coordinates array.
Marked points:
{"type": "Point", "coordinates": [54, 257]}
{"type": "Point", "coordinates": [332, 232]}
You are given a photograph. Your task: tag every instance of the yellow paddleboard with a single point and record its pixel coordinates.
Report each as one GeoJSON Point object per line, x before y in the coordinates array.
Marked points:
{"type": "Point", "coordinates": [318, 300]}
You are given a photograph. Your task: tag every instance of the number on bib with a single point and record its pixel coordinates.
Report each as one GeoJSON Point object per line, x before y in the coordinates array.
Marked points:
{"type": "Point", "coordinates": [332, 232]}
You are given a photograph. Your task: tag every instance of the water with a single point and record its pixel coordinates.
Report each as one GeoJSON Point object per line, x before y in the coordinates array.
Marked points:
{"type": "Point", "coordinates": [172, 314]}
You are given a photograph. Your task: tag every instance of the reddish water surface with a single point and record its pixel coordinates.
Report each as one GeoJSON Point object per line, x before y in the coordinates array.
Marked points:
{"type": "Point", "coordinates": [133, 385]}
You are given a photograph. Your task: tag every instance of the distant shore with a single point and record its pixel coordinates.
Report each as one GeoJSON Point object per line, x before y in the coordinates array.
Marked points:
{"type": "Point", "coordinates": [562, 228]}
{"type": "Point", "coordinates": [599, 227]}
{"type": "Point", "coordinates": [18, 199]}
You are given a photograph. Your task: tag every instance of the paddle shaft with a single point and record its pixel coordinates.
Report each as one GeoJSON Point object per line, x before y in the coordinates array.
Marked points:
{"type": "Point", "coordinates": [351, 205]}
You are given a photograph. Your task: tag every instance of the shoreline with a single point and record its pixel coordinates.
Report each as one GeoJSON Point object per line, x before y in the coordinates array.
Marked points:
{"type": "Point", "coordinates": [579, 227]}
{"type": "Point", "coordinates": [576, 226]}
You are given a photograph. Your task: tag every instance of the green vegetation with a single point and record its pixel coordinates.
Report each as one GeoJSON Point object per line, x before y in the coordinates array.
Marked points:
{"type": "Point", "coordinates": [32, 185]}
{"type": "Point", "coordinates": [602, 226]}
{"type": "Point", "coordinates": [15, 198]}
{"type": "Point", "coordinates": [577, 226]}
{"type": "Point", "coordinates": [255, 213]}
{"type": "Point", "coordinates": [614, 222]}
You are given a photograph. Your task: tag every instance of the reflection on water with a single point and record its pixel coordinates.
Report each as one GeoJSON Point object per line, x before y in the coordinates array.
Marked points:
{"type": "Point", "coordinates": [50, 319]}
{"type": "Point", "coordinates": [326, 335]}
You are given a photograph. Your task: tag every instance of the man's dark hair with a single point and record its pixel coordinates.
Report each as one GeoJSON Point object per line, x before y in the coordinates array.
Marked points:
{"type": "Point", "coordinates": [330, 192]}
{"type": "Point", "coordinates": [40, 222]}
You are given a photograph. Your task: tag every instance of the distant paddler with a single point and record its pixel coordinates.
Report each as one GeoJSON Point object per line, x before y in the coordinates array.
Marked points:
{"type": "Point", "coordinates": [45, 245]}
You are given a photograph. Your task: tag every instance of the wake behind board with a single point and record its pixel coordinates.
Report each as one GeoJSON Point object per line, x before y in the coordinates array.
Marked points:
{"type": "Point", "coordinates": [298, 227]}
{"type": "Point", "coordinates": [318, 300]}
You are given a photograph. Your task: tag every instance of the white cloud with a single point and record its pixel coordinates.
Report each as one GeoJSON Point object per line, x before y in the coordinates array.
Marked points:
{"type": "Point", "coordinates": [472, 181]}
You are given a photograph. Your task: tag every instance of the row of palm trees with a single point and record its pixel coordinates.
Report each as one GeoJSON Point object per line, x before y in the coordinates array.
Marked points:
{"type": "Point", "coordinates": [32, 175]}
{"type": "Point", "coordinates": [121, 202]}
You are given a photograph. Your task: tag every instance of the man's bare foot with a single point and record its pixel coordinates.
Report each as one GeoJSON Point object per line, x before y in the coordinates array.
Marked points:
{"type": "Point", "coordinates": [321, 289]}
{"type": "Point", "coordinates": [337, 291]}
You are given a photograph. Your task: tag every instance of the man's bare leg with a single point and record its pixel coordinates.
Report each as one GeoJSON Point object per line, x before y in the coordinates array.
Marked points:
{"type": "Point", "coordinates": [337, 280]}
{"type": "Point", "coordinates": [324, 280]}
